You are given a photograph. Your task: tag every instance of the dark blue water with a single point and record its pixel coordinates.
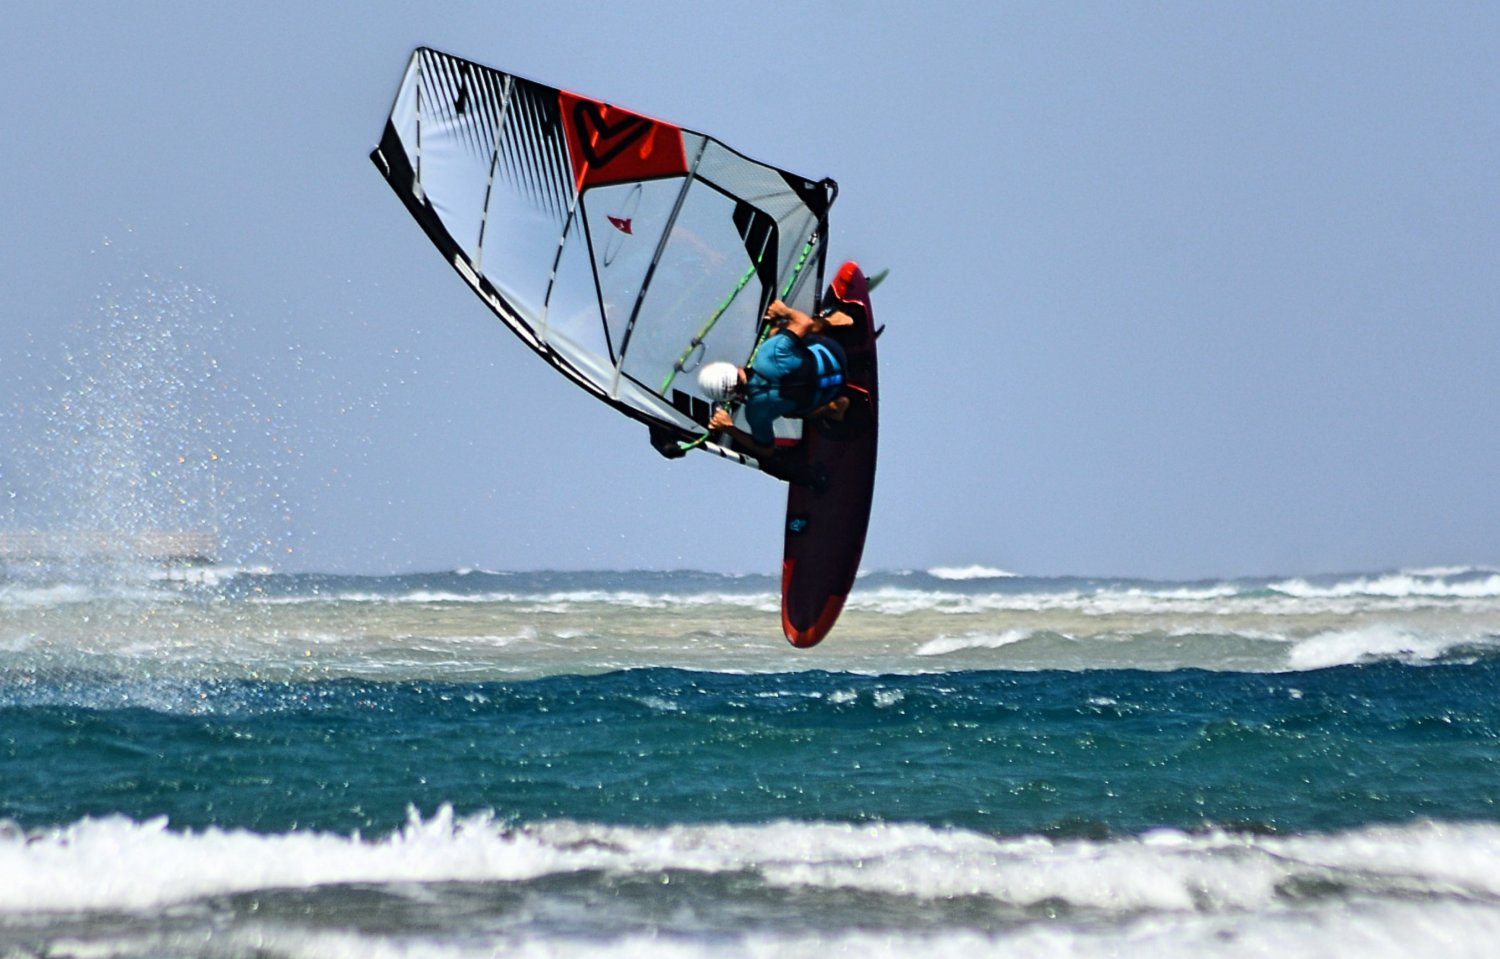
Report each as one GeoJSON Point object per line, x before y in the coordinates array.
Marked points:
{"type": "Point", "coordinates": [1089, 754]}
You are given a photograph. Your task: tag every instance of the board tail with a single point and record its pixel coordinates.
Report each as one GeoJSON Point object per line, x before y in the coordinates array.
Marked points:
{"type": "Point", "coordinates": [805, 634]}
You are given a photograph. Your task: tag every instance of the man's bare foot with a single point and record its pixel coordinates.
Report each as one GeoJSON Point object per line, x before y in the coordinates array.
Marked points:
{"type": "Point", "coordinates": [835, 409]}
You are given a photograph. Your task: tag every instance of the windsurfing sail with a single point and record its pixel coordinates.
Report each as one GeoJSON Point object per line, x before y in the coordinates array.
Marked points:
{"type": "Point", "coordinates": [624, 250]}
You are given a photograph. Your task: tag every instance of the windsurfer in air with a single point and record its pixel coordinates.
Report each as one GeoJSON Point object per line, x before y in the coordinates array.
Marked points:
{"type": "Point", "coordinates": [795, 373]}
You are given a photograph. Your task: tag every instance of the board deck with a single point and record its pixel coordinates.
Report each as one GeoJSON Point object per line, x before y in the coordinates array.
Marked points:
{"type": "Point", "coordinates": [825, 526]}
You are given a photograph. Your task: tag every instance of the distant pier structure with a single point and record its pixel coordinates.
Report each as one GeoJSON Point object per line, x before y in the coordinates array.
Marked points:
{"type": "Point", "coordinates": [168, 547]}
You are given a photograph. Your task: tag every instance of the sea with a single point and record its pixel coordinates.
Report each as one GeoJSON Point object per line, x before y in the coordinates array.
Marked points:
{"type": "Point", "coordinates": [213, 762]}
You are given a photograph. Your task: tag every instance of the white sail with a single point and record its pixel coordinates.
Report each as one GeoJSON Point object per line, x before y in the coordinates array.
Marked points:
{"type": "Point", "coordinates": [626, 251]}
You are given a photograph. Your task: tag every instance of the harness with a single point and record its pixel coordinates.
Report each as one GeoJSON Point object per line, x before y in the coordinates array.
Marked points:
{"type": "Point", "coordinates": [818, 379]}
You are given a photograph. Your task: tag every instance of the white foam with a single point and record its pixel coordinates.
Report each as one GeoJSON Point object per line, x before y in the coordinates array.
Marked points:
{"type": "Point", "coordinates": [1216, 600]}
{"type": "Point", "coordinates": [1454, 930]}
{"type": "Point", "coordinates": [1435, 584]}
{"type": "Point", "coordinates": [896, 626]}
{"type": "Point", "coordinates": [944, 645]}
{"type": "Point", "coordinates": [969, 572]}
{"type": "Point", "coordinates": [1373, 641]}
{"type": "Point", "coordinates": [23, 595]}
{"type": "Point", "coordinates": [114, 864]}
{"type": "Point", "coordinates": [560, 600]}
{"type": "Point", "coordinates": [1451, 570]}
{"type": "Point", "coordinates": [1421, 888]}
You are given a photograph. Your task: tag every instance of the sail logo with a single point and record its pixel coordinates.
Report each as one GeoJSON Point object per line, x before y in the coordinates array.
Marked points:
{"type": "Point", "coordinates": [600, 140]}
{"type": "Point", "coordinates": [609, 145]}
{"type": "Point", "coordinates": [623, 220]}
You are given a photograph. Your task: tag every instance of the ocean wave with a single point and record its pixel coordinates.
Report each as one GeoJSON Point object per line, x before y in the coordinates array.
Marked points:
{"type": "Point", "coordinates": [1379, 641]}
{"type": "Point", "coordinates": [45, 595]}
{"type": "Point", "coordinates": [553, 601]}
{"type": "Point", "coordinates": [952, 644]}
{"type": "Point", "coordinates": [1397, 930]}
{"type": "Point", "coordinates": [1452, 570]}
{"type": "Point", "coordinates": [476, 624]}
{"type": "Point", "coordinates": [1438, 583]}
{"type": "Point", "coordinates": [943, 585]}
{"type": "Point", "coordinates": [1456, 930]}
{"type": "Point", "coordinates": [969, 572]}
{"type": "Point", "coordinates": [119, 864]}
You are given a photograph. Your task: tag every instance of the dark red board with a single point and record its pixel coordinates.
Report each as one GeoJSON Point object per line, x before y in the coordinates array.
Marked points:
{"type": "Point", "coordinates": [825, 531]}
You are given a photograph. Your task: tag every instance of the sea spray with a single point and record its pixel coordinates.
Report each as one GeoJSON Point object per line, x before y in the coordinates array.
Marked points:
{"type": "Point", "coordinates": [142, 437]}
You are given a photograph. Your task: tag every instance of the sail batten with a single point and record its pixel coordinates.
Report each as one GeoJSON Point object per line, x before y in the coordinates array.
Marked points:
{"type": "Point", "coordinates": [484, 216]}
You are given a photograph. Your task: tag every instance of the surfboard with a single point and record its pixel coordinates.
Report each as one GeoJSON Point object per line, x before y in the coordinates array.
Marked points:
{"type": "Point", "coordinates": [826, 523]}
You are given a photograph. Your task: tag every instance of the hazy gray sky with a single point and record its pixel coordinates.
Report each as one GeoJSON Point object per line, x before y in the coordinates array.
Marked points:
{"type": "Point", "coordinates": [1184, 289]}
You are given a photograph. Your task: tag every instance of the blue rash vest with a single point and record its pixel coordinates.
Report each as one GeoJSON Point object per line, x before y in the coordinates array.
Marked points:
{"type": "Point", "coordinates": [790, 378]}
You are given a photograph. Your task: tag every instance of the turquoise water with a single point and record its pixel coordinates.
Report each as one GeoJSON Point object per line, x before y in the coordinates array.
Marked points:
{"type": "Point", "coordinates": [1049, 753]}
{"type": "Point", "coordinates": [618, 763]}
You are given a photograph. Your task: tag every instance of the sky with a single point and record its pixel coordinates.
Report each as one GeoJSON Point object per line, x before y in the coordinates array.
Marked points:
{"type": "Point", "coordinates": [1177, 289]}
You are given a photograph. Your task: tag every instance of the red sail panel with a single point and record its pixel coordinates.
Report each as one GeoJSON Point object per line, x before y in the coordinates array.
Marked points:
{"type": "Point", "coordinates": [608, 144]}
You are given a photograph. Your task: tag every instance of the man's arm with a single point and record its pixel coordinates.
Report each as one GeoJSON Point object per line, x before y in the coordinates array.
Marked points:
{"type": "Point", "coordinates": [723, 422]}
{"type": "Point", "coordinates": [796, 322]}
{"type": "Point", "coordinates": [800, 324]}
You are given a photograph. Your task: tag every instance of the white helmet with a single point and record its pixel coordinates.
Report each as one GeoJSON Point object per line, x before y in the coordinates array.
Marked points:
{"type": "Point", "coordinates": [718, 380]}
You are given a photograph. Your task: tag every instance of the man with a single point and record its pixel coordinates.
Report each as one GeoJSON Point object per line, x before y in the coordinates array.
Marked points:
{"type": "Point", "coordinates": [795, 373]}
